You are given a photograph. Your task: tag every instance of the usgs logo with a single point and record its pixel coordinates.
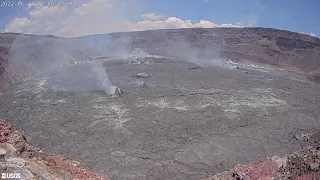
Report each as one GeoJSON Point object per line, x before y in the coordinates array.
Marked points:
{"type": "Point", "coordinates": [10, 175]}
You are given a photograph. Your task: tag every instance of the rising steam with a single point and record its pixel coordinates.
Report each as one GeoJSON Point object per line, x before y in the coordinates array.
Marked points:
{"type": "Point", "coordinates": [43, 55]}
{"type": "Point", "coordinates": [100, 74]}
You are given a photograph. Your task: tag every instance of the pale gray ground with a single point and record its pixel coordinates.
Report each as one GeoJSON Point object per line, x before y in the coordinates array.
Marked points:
{"type": "Point", "coordinates": [182, 124]}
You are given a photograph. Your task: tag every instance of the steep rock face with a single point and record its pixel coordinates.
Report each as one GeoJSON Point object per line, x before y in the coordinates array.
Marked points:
{"type": "Point", "coordinates": [300, 165]}
{"type": "Point", "coordinates": [259, 45]}
{"type": "Point", "coordinates": [22, 56]}
{"type": "Point", "coordinates": [17, 156]}
{"type": "Point", "coordinates": [5, 43]}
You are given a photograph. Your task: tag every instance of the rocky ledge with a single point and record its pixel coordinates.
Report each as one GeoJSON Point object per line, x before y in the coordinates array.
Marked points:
{"type": "Point", "coordinates": [301, 165]}
{"type": "Point", "coordinates": [17, 157]}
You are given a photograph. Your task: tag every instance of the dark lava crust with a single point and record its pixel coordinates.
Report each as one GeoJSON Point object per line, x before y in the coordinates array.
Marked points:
{"type": "Point", "coordinates": [178, 120]}
{"type": "Point", "coordinates": [184, 123]}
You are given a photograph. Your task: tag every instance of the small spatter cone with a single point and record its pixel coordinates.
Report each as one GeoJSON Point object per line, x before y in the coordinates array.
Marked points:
{"type": "Point", "coordinates": [118, 91]}
{"type": "Point", "coordinates": [143, 84]}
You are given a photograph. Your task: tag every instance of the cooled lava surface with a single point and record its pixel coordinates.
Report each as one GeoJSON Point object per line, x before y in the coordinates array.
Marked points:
{"type": "Point", "coordinates": [172, 118]}
{"type": "Point", "coordinates": [182, 124]}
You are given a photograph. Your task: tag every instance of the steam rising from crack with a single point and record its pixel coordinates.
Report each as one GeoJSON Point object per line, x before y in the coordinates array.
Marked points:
{"type": "Point", "coordinates": [100, 74]}
{"type": "Point", "coordinates": [39, 56]}
{"type": "Point", "coordinates": [43, 55]}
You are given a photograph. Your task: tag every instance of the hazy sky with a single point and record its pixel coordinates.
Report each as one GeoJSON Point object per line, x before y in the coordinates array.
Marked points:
{"type": "Point", "coordinates": [103, 16]}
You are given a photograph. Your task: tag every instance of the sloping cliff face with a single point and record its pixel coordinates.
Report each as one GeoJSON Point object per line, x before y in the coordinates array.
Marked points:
{"type": "Point", "coordinates": [23, 56]}
{"type": "Point", "coordinates": [271, 48]}
{"type": "Point", "coordinates": [18, 157]}
{"type": "Point", "coordinates": [5, 43]}
{"type": "Point", "coordinates": [300, 165]}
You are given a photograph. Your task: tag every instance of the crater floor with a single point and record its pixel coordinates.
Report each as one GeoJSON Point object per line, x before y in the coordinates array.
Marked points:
{"type": "Point", "coordinates": [177, 121]}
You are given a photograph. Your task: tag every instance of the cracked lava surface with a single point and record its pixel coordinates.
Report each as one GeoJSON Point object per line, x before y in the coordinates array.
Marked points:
{"type": "Point", "coordinates": [183, 123]}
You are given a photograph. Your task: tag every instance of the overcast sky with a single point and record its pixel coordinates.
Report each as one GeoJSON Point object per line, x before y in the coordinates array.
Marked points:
{"type": "Point", "coordinates": [103, 16]}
